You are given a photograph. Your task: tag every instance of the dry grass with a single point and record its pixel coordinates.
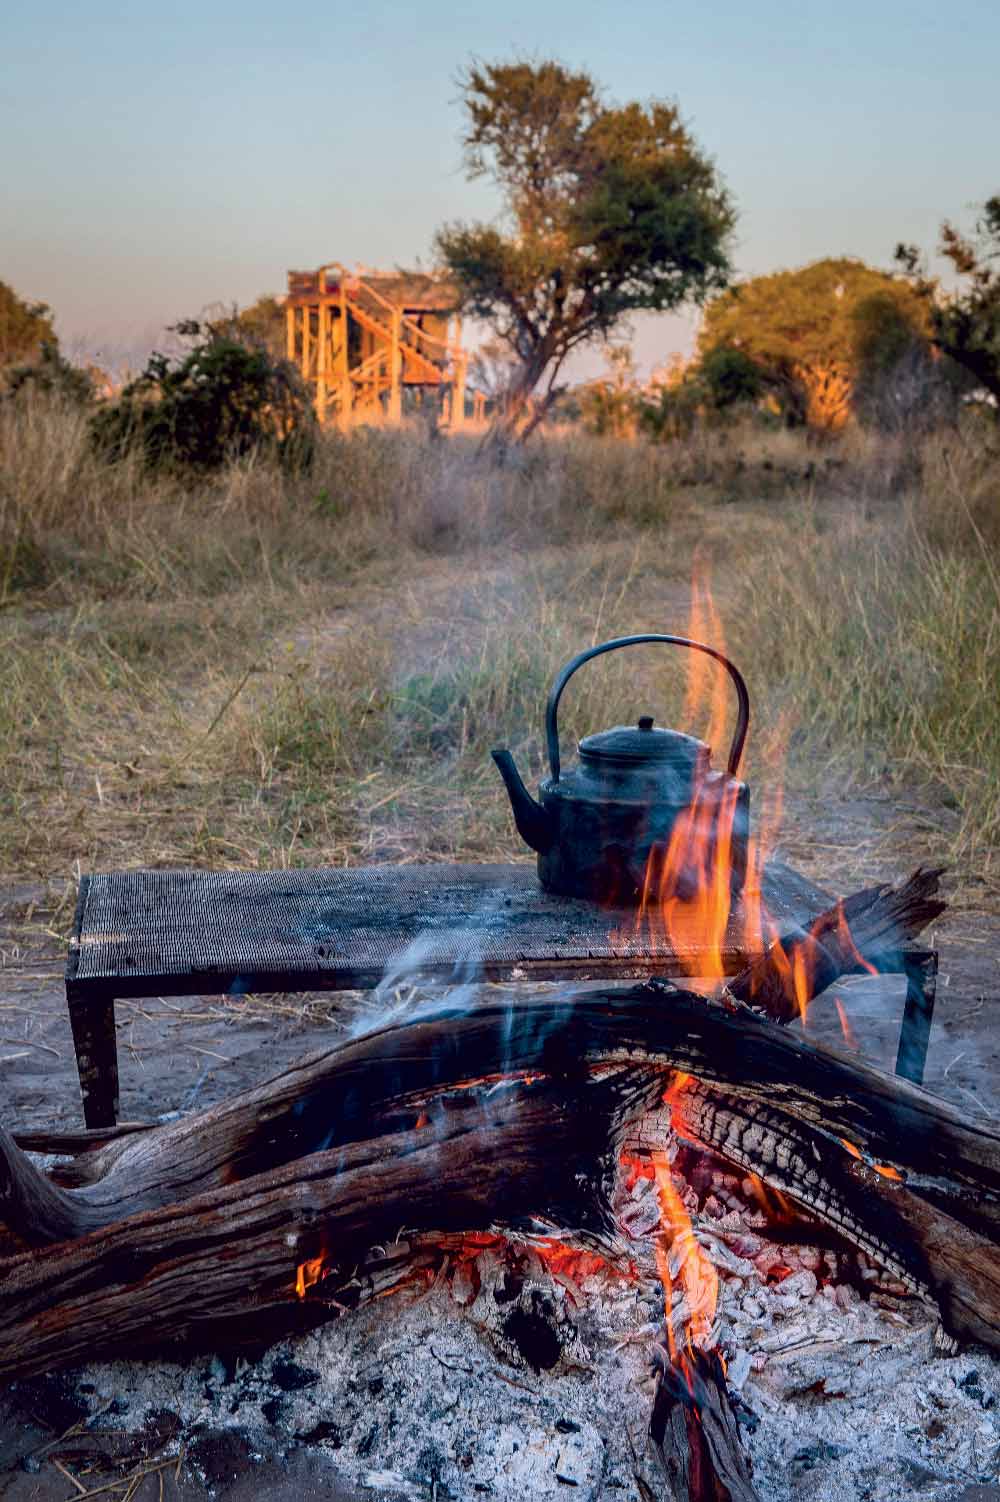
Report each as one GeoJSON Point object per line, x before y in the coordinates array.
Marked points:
{"type": "Point", "coordinates": [263, 670]}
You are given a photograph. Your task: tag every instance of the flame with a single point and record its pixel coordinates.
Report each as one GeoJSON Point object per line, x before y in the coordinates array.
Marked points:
{"type": "Point", "coordinates": [682, 1262]}
{"type": "Point", "coordinates": [845, 1025]}
{"type": "Point", "coordinates": [686, 908]}
{"type": "Point", "coordinates": [776, 1206]}
{"type": "Point", "coordinates": [885, 1170]}
{"type": "Point", "coordinates": [308, 1273]}
{"type": "Point", "coordinates": [706, 687]}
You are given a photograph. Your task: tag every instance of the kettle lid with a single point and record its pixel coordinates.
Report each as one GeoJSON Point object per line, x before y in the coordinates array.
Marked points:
{"type": "Point", "coordinates": [645, 744]}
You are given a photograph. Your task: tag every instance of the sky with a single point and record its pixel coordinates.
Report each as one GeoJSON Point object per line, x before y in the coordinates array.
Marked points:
{"type": "Point", "coordinates": [164, 158]}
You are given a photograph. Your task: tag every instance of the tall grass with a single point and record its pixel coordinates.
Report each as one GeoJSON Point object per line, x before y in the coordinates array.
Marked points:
{"type": "Point", "coordinates": [259, 668]}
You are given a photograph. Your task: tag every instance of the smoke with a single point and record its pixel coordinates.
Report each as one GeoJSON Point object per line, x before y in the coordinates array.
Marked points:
{"type": "Point", "coordinates": [414, 988]}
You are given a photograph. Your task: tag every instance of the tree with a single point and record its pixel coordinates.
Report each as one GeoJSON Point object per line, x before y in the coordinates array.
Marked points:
{"type": "Point", "coordinates": [966, 325]}
{"type": "Point", "coordinates": [262, 323]}
{"type": "Point", "coordinates": [609, 408]}
{"type": "Point", "coordinates": [24, 327]}
{"type": "Point", "coordinates": [607, 211]}
{"type": "Point", "coordinates": [901, 382]}
{"type": "Point", "coordinates": [225, 398]}
{"type": "Point", "coordinates": [800, 329]}
{"type": "Point", "coordinates": [729, 378]}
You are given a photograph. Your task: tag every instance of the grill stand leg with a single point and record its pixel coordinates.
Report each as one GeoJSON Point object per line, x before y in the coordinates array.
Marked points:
{"type": "Point", "coordinates": [93, 1024]}
{"type": "Point", "coordinates": [920, 966]}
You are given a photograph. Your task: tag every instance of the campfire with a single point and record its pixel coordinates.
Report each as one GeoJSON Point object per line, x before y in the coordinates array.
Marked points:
{"type": "Point", "coordinates": [649, 1184]}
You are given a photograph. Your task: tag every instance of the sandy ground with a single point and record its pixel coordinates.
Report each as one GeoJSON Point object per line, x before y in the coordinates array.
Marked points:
{"type": "Point", "coordinates": [179, 1054]}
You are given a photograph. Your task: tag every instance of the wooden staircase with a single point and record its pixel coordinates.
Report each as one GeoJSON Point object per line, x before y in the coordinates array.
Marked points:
{"type": "Point", "coordinates": [361, 350]}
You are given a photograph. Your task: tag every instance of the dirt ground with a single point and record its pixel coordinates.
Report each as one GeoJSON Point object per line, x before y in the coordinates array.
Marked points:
{"type": "Point", "coordinates": [179, 1054]}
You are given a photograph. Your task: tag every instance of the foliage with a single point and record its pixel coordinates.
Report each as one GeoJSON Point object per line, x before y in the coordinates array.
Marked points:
{"type": "Point", "coordinates": [25, 327]}
{"type": "Point", "coordinates": [729, 378]}
{"type": "Point", "coordinates": [226, 398]}
{"type": "Point", "coordinates": [800, 328]}
{"type": "Point", "coordinates": [610, 408]}
{"type": "Point", "coordinates": [966, 325]}
{"type": "Point", "coordinates": [901, 382]}
{"type": "Point", "coordinates": [53, 375]}
{"type": "Point", "coordinates": [609, 211]}
{"type": "Point", "coordinates": [261, 324]}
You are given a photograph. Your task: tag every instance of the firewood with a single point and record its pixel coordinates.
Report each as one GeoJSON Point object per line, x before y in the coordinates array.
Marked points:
{"type": "Point", "coordinates": [870, 924]}
{"type": "Point", "coordinates": [221, 1269]}
{"type": "Point", "coordinates": [696, 1432]}
{"type": "Point", "coordinates": [893, 1169]}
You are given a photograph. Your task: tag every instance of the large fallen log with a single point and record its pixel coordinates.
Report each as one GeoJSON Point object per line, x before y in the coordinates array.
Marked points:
{"type": "Point", "coordinates": [222, 1269]}
{"type": "Point", "coordinates": [230, 1184]}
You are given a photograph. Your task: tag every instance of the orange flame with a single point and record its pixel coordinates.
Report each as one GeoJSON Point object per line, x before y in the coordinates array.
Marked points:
{"type": "Point", "coordinates": [886, 1170]}
{"type": "Point", "coordinates": [682, 1262]}
{"type": "Point", "coordinates": [308, 1273]}
{"type": "Point", "coordinates": [845, 1025]}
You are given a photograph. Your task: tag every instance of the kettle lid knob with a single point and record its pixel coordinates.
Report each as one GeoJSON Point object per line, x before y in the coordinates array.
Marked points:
{"type": "Point", "coordinates": [646, 722]}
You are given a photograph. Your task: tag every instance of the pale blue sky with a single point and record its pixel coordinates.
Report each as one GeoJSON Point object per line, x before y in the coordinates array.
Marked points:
{"type": "Point", "coordinates": [161, 158]}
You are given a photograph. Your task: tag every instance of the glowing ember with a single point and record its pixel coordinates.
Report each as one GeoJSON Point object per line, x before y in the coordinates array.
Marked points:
{"type": "Point", "coordinates": [886, 1170]}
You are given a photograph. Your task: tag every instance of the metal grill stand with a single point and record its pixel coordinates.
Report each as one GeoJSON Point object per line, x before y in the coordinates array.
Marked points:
{"type": "Point", "coordinates": [182, 933]}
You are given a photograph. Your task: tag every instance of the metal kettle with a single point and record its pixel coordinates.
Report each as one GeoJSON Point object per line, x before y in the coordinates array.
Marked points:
{"type": "Point", "coordinates": [596, 825]}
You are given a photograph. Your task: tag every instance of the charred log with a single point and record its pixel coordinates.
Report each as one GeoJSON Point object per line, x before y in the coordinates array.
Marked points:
{"type": "Point", "coordinates": [695, 1431]}
{"type": "Point", "coordinates": [891, 1168]}
{"type": "Point", "coordinates": [223, 1268]}
{"type": "Point", "coordinates": [850, 937]}
{"type": "Point", "coordinates": [342, 1095]}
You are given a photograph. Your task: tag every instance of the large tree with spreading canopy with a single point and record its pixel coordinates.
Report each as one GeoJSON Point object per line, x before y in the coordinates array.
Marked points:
{"type": "Point", "coordinates": [608, 211]}
{"type": "Point", "coordinates": [815, 331]}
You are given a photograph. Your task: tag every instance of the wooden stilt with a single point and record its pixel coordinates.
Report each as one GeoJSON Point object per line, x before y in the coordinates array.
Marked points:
{"type": "Point", "coordinates": [321, 357]}
{"type": "Point", "coordinates": [345, 373]}
{"type": "Point", "coordinates": [395, 370]}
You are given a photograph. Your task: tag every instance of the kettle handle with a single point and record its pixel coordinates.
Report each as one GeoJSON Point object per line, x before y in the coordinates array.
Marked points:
{"type": "Point", "coordinates": [743, 712]}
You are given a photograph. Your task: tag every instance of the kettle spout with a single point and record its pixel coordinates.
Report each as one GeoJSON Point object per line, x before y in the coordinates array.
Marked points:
{"type": "Point", "coordinates": [534, 825]}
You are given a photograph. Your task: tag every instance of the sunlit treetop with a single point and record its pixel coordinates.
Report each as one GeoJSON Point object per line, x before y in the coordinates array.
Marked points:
{"type": "Point", "coordinates": [816, 316]}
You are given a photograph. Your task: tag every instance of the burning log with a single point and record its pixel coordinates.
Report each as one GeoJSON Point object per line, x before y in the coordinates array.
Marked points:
{"type": "Point", "coordinates": [340, 1095]}
{"type": "Point", "coordinates": [893, 1169]}
{"type": "Point", "coordinates": [851, 936]}
{"type": "Point", "coordinates": [695, 1430]}
{"type": "Point", "coordinates": [232, 1266]}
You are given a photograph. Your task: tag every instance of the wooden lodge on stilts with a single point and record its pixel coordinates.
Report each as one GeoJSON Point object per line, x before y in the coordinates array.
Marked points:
{"type": "Point", "coordinates": [378, 346]}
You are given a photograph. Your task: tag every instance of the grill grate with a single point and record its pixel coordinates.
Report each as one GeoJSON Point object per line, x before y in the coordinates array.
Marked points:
{"type": "Point", "coordinates": [147, 932]}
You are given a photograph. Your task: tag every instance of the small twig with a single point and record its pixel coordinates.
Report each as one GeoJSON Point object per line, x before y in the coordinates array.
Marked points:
{"type": "Point", "coordinates": [70, 1477]}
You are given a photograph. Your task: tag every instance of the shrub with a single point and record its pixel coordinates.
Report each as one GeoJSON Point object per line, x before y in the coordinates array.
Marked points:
{"type": "Point", "coordinates": [53, 375]}
{"type": "Point", "coordinates": [226, 398]}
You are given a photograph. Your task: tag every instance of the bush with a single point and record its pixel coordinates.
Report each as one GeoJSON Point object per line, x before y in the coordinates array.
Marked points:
{"type": "Point", "coordinates": [52, 375]}
{"type": "Point", "coordinates": [226, 398]}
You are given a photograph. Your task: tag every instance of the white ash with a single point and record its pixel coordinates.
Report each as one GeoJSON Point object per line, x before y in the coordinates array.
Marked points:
{"type": "Point", "coordinates": [845, 1391]}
